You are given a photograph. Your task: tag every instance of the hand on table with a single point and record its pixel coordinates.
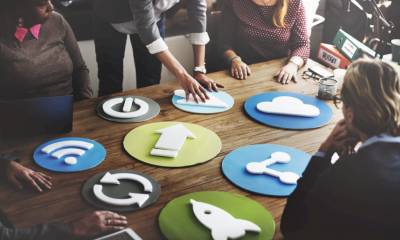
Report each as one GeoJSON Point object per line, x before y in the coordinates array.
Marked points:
{"type": "Point", "coordinates": [287, 73]}
{"type": "Point", "coordinates": [96, 223]}
{"type": "Point", "coordinates": [239, 69]}
{"type": "Point", "coordinates": [17, 174]}
{"type": "Point", "coordinates": [340, 140]}
{"type": "Point", "coordinates": [192, 87]}
{"type": "Point", "coordinates": [207, 82]}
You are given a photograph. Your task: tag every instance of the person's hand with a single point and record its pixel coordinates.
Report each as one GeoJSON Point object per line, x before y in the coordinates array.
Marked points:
{"type": "Point", "coordinates": [96, 223]}
{"type": "Point", "coordinates": [340, 140]}
{"type": "Point", "coordinates": [18, 174]}
{"type": "Point", "coordinates": [287, 73]}
{"type": "Point", "coordinates": [207, 82]}
{"type": "Point", "coordinates": [239, 69]}
{"type": "Point", "coordinates": [192, 87]}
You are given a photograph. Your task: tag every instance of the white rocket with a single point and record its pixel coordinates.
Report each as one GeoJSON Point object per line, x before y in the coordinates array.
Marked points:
{"type": "Point", "coordinates": [222, 224]}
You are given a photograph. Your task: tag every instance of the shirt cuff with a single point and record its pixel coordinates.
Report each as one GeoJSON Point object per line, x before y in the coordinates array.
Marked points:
{"type": "Point", "coordinates": [198, 38]}
{"type": "Point", "coordinates": [297, 60]}
{"type": "Point", "coordinates": [320, 154]}
{"type": "Point", "coordinates": [157, 46]}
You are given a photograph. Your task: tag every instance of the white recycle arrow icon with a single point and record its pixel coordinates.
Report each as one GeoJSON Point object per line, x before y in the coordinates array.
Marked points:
{"type": "Point", "coordinates": [135, 198]}
{"type": "Point", "coordinates": [171, 140]}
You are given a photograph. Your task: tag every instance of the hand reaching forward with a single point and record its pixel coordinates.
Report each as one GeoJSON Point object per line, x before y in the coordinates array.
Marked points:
{"type": "Point", "coordinates": [17, 174]}
{"type": "Point", "coordinates": [207, 82]}
{"type": "Point", "coordinates": [96, 223]}
{"type": "Point", "coordinates": [192, 87]}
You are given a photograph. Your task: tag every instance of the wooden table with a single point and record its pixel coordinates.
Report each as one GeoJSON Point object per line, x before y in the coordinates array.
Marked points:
{"type": "Point", "coordinates": [235, 129]}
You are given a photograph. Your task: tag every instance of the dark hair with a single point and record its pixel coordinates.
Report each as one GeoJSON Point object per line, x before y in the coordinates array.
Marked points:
{"type": "Point", "coordinates": [11, 10]}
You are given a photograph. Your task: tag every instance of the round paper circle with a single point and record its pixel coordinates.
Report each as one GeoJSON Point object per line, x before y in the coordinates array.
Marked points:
{"type": "Point", "coordinates": [221, 95]}
{"type": "Point", "coordinates": [178, 222]}
{"type": "Point", "coordinates": [154, 110]}
{"type": "Point", "coordinates": [120, 191]}
{"type": "Point", "coordinates": [288, 122]}
{"type": "Point", "coordinates": [234, 168]}
{"type": "Point", "coordinates": [91, 158]}
{"type": "Point", "coordinates": [141, 140]}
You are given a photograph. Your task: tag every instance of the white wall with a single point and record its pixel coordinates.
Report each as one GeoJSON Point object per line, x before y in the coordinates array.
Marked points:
{"type": "Point", "coordinates": [178, 45]}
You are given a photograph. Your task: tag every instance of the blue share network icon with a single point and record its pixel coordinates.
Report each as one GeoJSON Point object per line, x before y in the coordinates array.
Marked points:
{"type": "Point", "coordinates": [288, 122]}
{"type": "Point", "coordinates": [234, 168]}
{"type": "Point", "coordinates": [69, 154]}
{"type": "Point", "coordinates": [221, 95]}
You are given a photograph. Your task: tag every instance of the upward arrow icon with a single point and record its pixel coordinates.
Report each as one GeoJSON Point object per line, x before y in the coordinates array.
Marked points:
{"type": "Point", "coordinates": [171, 140]}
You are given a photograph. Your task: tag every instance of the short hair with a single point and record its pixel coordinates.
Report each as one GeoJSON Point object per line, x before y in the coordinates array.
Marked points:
{"type": "Point", "coordinates": [372, 90]}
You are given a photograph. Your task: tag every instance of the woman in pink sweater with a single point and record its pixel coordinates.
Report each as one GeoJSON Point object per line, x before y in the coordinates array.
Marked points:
{"type": "Point", "coordinates": [259, 30]}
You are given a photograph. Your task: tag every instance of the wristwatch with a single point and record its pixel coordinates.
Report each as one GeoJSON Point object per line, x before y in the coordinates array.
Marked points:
{"type": "Point", "coordinates": [200, 69]}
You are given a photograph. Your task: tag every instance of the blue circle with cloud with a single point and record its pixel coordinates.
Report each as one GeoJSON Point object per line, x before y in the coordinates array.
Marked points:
{"type": "Point", "coordinates": [91, 158]}
{"type": "Point", "coordinates": [234, 168]}
{"type": "Point", "coordinates": [221, 95]}
{"type": "Point", "coordinates": [285, 121]}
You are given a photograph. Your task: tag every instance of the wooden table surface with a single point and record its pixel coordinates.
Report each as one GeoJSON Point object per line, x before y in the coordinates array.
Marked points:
{"type": "Point", "coordinates": [235, 129]}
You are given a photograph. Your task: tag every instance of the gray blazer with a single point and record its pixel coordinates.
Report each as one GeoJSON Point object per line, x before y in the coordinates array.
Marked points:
{"type": "Point", "coordinates": [141, 12]}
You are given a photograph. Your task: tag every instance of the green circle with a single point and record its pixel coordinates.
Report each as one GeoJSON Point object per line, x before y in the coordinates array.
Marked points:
{"type": "Point", "coordinates": [178, 222]}
{"type": "Point", "coordinates": [140, 141]}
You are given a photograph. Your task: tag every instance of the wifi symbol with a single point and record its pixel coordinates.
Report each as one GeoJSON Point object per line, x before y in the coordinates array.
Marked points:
{"type": "Point", "coordinates": [68, 150]}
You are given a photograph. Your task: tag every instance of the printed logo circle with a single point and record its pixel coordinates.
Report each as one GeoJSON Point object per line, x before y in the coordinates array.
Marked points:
{"type": "Point", "coordinates": [125, 109]}
{"type": "Point", "coordinates": [69, 154]}
{"type": "Point", "coordinates": [291, 119]}
{"type": "Point", "coordinates": [121, 190]}
{"type": "Point", "coordinates": [215, 215]}
{"type": "Point", "coordinates": [219, 102]}
{"type": "Point", "coordinates": [172, 144]}
{"type": "Point", "coordinates": [266, 169]}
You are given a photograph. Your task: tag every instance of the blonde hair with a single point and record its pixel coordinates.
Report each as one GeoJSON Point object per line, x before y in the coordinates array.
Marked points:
{"type": "Point", "coordinates": [280, 13]}
{"type": "Point", "coordinates": [372, 91]}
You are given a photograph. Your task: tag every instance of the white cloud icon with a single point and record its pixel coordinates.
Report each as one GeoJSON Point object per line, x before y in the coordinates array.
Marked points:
{"type": "Point", "coordinates": [286, 105]}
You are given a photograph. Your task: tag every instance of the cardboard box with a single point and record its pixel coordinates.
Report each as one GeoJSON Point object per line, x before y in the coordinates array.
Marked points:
{"type": "Point", "coordinates": [331, 56]}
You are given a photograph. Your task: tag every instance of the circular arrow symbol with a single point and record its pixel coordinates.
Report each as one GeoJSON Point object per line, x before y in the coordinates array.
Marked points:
{"type": "Point", "coordinates": [135, 198]}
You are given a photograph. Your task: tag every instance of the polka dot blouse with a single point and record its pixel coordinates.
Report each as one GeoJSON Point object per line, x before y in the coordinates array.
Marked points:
{"type": "Point", "coordinates": [246, 23]}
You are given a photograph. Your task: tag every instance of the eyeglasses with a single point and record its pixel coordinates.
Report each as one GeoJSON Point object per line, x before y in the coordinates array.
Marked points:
{"type": "Point", "coordinates": [310, 75]}
{"type": "Point", "coordinates": [337, 100]}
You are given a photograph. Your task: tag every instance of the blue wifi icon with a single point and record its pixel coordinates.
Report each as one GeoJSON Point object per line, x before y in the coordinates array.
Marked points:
{"type": "Point", "coordinates": [69, 154]}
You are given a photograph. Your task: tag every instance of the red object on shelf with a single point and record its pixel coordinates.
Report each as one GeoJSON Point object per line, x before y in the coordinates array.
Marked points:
{"type": "Point", "coordinates": [331, 56]}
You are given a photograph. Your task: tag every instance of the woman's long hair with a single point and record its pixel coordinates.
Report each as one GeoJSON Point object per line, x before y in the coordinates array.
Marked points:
{"type": "Point", "coordinates": [280, 13]}
{"type": "Point", "coordinates": [372, 91]}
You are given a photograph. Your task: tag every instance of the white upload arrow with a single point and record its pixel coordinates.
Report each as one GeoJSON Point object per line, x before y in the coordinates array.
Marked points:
{"type": "Point", "coordinates": [171, 140]}
{"type": "Point", "coordinates": [135, 198]}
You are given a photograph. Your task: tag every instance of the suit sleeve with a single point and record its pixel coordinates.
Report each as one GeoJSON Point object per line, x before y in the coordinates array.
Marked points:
{"type": "Point", "coordinates": [38, 232]}
{"type": "Point", "coordinates": [197, 12]}
{"type": "Point", "coordinates": [296, 211]}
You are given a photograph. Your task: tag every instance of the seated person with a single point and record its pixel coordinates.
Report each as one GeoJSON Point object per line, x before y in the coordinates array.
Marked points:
{"type": "Point", "coordinates": [358, 196]}
{"type": "Point", "coordinates": [88, 226]}
{"type": "Point", "coordinates": [39, 55]}
{"type": "Point", "coordinates": [259, 30]}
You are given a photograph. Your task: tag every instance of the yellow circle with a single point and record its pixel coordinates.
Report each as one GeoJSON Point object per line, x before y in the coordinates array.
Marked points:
{"type": "Point", "coordinates": [205, 146]}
